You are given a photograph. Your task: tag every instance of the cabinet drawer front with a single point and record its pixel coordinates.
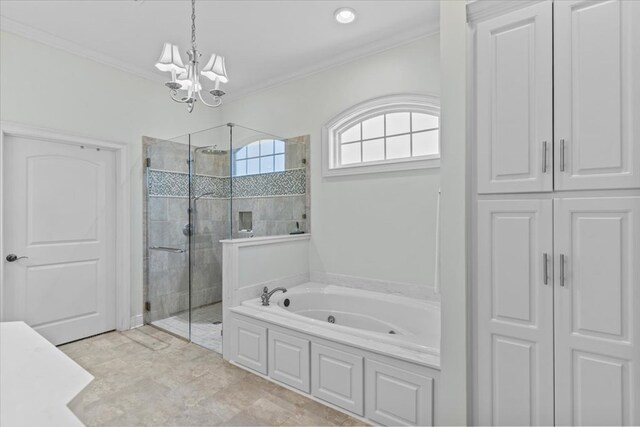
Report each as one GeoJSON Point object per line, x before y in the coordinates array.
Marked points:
{"type": "Point", "coordinates": [398, 397]}
{"type": "Point", "coordinates": [337, 377]}
{"type": "Point", "coordinates": [251, 346]}
{"type": "Point", "coordinates": [289, 360]}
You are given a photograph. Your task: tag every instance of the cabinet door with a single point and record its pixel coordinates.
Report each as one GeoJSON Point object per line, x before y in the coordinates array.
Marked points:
{"type": "Point", "coordinates": [515, 312]}
{"type": "Point", "coordinates": [597, 311]}
{"type": "Point", "coordinates": [597, 96]}
{"type": "Point", "coordinates": [514, 101]}
{"type": "Point", "coordinates": [289, 360]}
{"type": "Point", "coordinates": [250, 345]}
{"type": "Point", "coordinates": [338, 377]}
{"type": "Point", "coordinates": [397, 397]}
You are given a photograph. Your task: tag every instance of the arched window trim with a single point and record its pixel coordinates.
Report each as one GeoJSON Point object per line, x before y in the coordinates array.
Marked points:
{"type": "Point", "coordinates": [427, 104]}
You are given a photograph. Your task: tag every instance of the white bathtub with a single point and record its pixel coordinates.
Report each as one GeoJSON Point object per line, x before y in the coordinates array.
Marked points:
{"type": "Point", "coordinates": [380, 319]}
{"type": "Point", "coordinates": [379, 361]}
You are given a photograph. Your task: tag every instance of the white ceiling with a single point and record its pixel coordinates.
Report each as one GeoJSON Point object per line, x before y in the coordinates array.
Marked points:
{"type": "Point", "coordinates": [265, 42]}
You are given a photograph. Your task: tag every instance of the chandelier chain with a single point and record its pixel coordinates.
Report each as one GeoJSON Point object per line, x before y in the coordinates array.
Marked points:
{"type": "Point", "coordinates": [193, 24]}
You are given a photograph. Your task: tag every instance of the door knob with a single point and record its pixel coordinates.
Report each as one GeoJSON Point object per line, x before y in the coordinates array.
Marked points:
{"type": "Point", "coordinates": [14, 257]}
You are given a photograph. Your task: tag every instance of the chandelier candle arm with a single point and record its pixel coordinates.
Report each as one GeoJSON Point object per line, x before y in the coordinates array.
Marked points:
{"type": "Point", "coordinates": [187, 78]}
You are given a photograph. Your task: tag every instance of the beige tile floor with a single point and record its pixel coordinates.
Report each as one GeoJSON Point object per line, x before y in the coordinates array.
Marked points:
{"type": "Point", "coordinates": [148, 377]}
{"type": "Point", "coordinates": [203, 330]}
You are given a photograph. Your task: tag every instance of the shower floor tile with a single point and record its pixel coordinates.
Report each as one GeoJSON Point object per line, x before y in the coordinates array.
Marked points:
{"type": "Point", "coordinates": [206, 326]}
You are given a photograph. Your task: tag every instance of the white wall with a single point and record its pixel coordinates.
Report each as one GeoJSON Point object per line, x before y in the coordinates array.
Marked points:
{"type": "Point", "coordinates": [378, 226]}
{"type": "Point", "coordinates": [453, 384]}
{"type": "Point", "coordinates": [374, 226]}
{"type": "Point", "coordinates": [45, 87]}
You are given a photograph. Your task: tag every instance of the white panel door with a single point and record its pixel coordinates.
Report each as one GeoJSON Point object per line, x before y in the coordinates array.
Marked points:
{"type": "Point", "coordinates": [597, 96]}
{"type": "Point", "coordinates": [597, 311]}
{"type": "Point", "coordinates": [515, 312]}
{"type": "Point", "coordinates": [514, 101]}
{"type": "Point", "coordinates": [59, 212]}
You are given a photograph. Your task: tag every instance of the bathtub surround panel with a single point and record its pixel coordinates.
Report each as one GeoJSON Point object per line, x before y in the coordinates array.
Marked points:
{"type": "Point", "coordinates": [411, 290]}
{"type": "Point", "coordinates": [389, 379]}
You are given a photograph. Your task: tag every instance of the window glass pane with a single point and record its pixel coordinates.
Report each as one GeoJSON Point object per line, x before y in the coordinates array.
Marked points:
{"type": "Point", "coordinates": [373, 128]}
{"type": "Point", "coordinates": [279, 166]}
{"type": "Point", "coordinates": [351, 134]}
{"type": "Point", "coordinates": [373, 150]}
{"type": "Point", "coordinates": [253, 166]}
{"type": "Point", "coordinates": [266, 147]}
{"type": "Point", "coordinates": [253, 149]}
{"type": "Point", "coordinates": [279, 146]}
{"type": "Point", "coordinates": [399, 147]}
{"type": "Point", "coordinates": [241, 168]}
{"type": "Point", "coordinates": [426, 143]}
{"type": "Point", "coordinates": [350, 153]}
{"type": "Point", "coordinates": [398, 123]}
{"type": "Point", "coordinates": [424, 121]}
{"type": "Point", "coordinates": [241, 153]}
{"type": "Point", "coordinates": [266, 164]}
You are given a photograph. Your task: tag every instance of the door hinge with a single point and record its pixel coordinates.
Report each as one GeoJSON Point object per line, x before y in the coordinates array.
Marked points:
{"type": "Point", "coordinates": [147, 306]}
{"type": "Point", "coordinates": [148, 162]}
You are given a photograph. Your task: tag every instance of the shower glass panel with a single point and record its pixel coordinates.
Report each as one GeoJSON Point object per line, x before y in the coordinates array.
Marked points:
{"type": "Point", "coordinates": [210, 207]}
{"type": "Point", "coordinates": [226, 182]}
{"type": "Point", "coordinates": [167, 234]}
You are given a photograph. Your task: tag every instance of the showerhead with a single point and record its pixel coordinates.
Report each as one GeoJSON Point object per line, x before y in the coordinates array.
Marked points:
{"type": "Point", "coordinates": [209, 149]}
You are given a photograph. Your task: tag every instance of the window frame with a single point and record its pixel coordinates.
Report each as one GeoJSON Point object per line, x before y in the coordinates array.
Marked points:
{"type": "Point", "coordinates": [426, 104]}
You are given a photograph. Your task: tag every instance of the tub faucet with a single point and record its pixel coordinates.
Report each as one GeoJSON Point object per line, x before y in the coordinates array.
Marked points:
{"type": "Point", "coordinates": [266, 295]}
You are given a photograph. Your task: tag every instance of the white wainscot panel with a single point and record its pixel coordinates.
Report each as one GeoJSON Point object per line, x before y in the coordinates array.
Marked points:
{"type": "Point", "coordinates": [398, 397]}
{"type": "Point", "coordinates": [337, 377]}
{"type": "Point", "coordinates": [251, 346]}
{"type": "Point", "coordinates": [289, 360]}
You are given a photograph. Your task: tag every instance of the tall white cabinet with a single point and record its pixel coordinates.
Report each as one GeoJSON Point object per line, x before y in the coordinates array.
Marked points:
{"type": "Point", "coordinates": [556, 152]}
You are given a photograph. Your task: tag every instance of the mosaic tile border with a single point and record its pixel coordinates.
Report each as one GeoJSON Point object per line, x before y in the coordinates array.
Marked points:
{"type": "Point", "coordinates": [291, 182]}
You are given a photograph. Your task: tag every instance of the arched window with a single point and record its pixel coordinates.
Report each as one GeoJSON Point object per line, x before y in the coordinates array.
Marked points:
{"type": "Point", "coordinates": [385, 134]}
{"type": "Point", "coordinates": [264, 156]}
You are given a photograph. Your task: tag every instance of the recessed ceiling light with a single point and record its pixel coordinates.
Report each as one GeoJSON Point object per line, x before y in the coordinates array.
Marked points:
{"type": "Point", "coordinates": [345, 15]}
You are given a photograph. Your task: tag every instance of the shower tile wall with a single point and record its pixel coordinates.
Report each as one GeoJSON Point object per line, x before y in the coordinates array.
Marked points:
{"type": "Point", "coordinates": [277, 202]}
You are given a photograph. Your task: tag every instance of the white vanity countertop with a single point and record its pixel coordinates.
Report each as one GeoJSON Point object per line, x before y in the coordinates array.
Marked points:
{"type": "Point", "coordinates": [37, 380]}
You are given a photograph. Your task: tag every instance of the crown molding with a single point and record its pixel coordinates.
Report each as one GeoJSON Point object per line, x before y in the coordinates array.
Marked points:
{"type": "Point", "coordinates": [374, 47]}
{"type": "Point", "coordinates": [481, 10]}
{"type": "Point", "coordinates": [28, 32]}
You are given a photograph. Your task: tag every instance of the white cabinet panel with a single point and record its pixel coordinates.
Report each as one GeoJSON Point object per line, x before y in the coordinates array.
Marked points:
{"type": "Point", "coordinates": [597, 310]}
{"type": "Point", "coordinates": [398, 397]}
{"type": "Point", "coordinates": [250, 346]}
{"type": "Point", "coordinates": [337, 377]}
{"type": "Point", "coordinates": [597, 100]}
{"type": "Point", "coordinates": [289, 360]}
{"type": "Point", "coordinates": [514, 101]}
{"type": "Point", "coordinates": [515, 312]}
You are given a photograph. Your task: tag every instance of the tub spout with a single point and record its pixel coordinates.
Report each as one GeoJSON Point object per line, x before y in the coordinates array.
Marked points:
{"type": "Point", "coordinates": [266, 295]}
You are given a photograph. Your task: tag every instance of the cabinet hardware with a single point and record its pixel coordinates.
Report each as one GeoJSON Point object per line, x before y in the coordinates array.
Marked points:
{"type": "Point", "coordinates": [562, 155]}
{"type": "Point", "coordinates": [545, 272]}
{"type": "Point", "coordinates": [544, 156]}
{"type": "Point", "coordinates": [561, 269]}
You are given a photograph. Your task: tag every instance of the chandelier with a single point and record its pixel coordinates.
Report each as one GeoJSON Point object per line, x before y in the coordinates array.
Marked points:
{"type": "Point", "coordinates": [185, 86]}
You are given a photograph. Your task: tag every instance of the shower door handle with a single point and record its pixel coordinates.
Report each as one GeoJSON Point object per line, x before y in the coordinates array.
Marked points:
{"type": "Point", "coordinates": [166, 249]}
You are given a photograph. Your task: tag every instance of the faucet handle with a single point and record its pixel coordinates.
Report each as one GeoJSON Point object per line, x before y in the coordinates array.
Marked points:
{"type": "Point", "coordinates": [265, 290]}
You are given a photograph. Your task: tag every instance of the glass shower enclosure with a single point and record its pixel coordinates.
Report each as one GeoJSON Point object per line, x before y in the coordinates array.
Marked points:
{"type": "Point", "coordinates": [226, 182]}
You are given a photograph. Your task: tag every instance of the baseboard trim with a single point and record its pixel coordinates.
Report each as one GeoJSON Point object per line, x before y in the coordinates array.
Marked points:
{"type": "Point", "coordinates": [137, 321]}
